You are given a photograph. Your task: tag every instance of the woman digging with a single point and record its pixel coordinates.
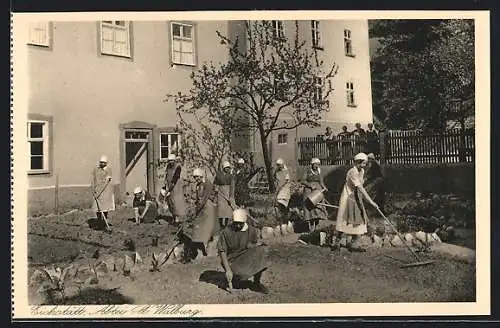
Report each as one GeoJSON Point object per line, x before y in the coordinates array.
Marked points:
{"type": "Point", "coordinates": [313, 181]}
{"type": "Point", "coordinates": [351, 216]}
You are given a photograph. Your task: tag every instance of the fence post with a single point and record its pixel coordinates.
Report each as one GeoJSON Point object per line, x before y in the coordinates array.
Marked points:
{"type": "Point", "coordinates": [56, 195]}
{"type": "Point", "coordinates": [382, 147]}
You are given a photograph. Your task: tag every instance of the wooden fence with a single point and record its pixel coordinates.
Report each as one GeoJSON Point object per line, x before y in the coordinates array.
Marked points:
{"type": "Point", "coordinates": [393, 147]}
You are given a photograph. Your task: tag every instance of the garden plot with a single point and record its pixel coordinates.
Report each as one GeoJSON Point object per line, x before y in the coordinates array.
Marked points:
{"type": "Point", "coordinates": [300, 273]}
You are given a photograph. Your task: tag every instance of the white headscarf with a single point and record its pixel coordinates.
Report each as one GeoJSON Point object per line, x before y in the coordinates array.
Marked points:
{"type": "Point", "coordinates": [361, 157]}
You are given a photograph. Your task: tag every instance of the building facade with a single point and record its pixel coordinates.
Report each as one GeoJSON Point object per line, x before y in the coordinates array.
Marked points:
{"type": "Point", "coordinates": [345, 43]}
{"type": "Point", "coordinates": [99, 88]}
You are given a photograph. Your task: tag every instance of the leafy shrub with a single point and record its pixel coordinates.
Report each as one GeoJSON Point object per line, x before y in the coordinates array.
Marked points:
{"type": "Point", "coordinates": [432, 213]}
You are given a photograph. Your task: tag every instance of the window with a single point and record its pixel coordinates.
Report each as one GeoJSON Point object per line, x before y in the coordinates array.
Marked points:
{"type": "Point", "coordinates": [318, 89]}
{"type": "Point", "coordinates": [282, 138]}
{"type": "Point", "coordinates": [278, 29]}
{"type": "Point", "coordinates": [38, 144]}
{"type": "Point", "coordinates": [169, 144]}
{"type": "Point", "coordinates": [183, 46]}
{"type": "Point", "coordinates": [39, 34]}
{"type": "Point", "coordinates": [115, 38]}
{"type": "Point", "coordinates": [350, 94]}
{"type": "Point", "coordinates": [316, 37]}
{"type": "Point", "coordinates": [348, 43]}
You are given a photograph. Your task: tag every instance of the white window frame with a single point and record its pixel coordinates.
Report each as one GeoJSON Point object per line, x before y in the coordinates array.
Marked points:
{"type": "Point", "coordinates": [316, 34]}
{"type": "Point", "coordinates": [350, 93]}
{"type": "Point", "coordinates": [46, 145]}
{"type": "Point", "coordinates": [280, 136]}
{"type": "Point", "coordinates": [114, 27]}
{"type": "Point", "coordinates": [169, 134]}
{"type": "Point", "coordinates": [348, 50]}
{"type": "Point", "coordinates": [44, 26]}
{"type": "Point", "coordinates": [182, 38]}
{"type": "Point", "coordinates": [278, 27]}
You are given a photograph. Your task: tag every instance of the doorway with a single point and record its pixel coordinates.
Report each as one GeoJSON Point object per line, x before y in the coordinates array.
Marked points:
{"type": "Point", "coordinates": [137, 160]}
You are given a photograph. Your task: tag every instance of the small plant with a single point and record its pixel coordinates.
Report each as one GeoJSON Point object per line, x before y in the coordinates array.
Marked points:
{"type": "Point", "coordinates": [89, 274]}
{"type": "Point", "coordinates": [130, 265]}
{"type": "Point", "coordinates": [157, 262]}
{"type": "Point", "coordinates": [51, 281]}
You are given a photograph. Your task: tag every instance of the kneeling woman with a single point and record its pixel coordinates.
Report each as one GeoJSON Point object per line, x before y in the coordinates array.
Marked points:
{"type": "Point", "coordinates": [242, 254]}
{"type": "Point", "coordinates": [145, 208]}
{"type": "Point", "coordinates": [351, 216]}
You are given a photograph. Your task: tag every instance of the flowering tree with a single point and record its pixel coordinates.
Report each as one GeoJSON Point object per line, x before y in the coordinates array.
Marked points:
{"type": "Point", "coordinates": [206, 147]}
{"type": "Point", "coordinates": [203, 145]}
{"type": "Point", "coordinates": [266, 78]}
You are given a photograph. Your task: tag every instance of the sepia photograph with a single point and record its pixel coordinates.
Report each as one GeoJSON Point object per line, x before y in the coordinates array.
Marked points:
{"type": "Point", "coordinates": [274, 159]}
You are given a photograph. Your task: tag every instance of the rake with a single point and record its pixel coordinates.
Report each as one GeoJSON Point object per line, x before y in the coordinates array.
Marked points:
{"type": "Point", "coordinates": [316, 198]}
{"type": "Point", "coordinates": [419, 261]}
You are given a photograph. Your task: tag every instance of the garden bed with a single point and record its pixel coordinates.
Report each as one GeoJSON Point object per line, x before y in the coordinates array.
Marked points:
{"type": "Point", "coordinates": [69, 239]}
{"type": "Point", "coordinates": [450, 217]}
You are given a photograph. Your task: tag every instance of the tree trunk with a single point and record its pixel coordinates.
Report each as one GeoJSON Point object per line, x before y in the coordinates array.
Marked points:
{"type": "Point", "coordinates": [267, 160]}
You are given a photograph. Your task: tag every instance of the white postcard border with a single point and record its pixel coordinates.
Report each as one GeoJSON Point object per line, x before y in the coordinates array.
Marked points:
{"type": "Point", "coordinates": [20, 307]}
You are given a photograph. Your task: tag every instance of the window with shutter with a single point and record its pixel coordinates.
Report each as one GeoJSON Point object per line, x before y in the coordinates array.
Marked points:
{"type": "Point", "coordinates": [38, 145]}
{"type": "Point", "coordinates": [115, 38]}
{"type": "Point", "coordinates": [39, 34]}
{"type": "Point", "coordinates": [183, 44]}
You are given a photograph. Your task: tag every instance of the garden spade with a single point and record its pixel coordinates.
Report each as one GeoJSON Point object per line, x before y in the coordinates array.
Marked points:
{"type": "Point", "coordinates": [103, 217]}
{"type": "Point", "coordinates": [419, 262]}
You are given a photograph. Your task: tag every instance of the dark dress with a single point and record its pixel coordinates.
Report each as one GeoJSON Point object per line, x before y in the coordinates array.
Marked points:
{"type": "Point", "coordinates": [140, 203]}
{"type": "Point", "coordinates": [244, 261]}
{"type": "Point", "coordinates": [241, 191]}
{"type": "Point", "coordinates": [202, 228]}
{"type": "Point", "coordinates": [313, 181]}
{"type": "Point", "coordinates": [225, 190]}
{"type": "Point", "coordinates": [174, 184]}
{"type": "Point", "coordinates": [374, 183]}
{"type": "Point", "coordinates": [372, 142]}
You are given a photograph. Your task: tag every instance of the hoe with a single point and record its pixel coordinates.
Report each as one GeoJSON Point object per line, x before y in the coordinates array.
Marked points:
{"type": "Point", "coordinates": [419, 261]}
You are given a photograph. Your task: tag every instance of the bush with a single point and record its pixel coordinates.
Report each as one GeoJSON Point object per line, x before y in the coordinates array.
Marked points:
{"type": "Point", "coordinates": [432, 212]}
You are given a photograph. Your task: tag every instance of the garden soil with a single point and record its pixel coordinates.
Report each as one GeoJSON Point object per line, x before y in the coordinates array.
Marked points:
{"type": "Point", "coordinates": [299, 273]}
